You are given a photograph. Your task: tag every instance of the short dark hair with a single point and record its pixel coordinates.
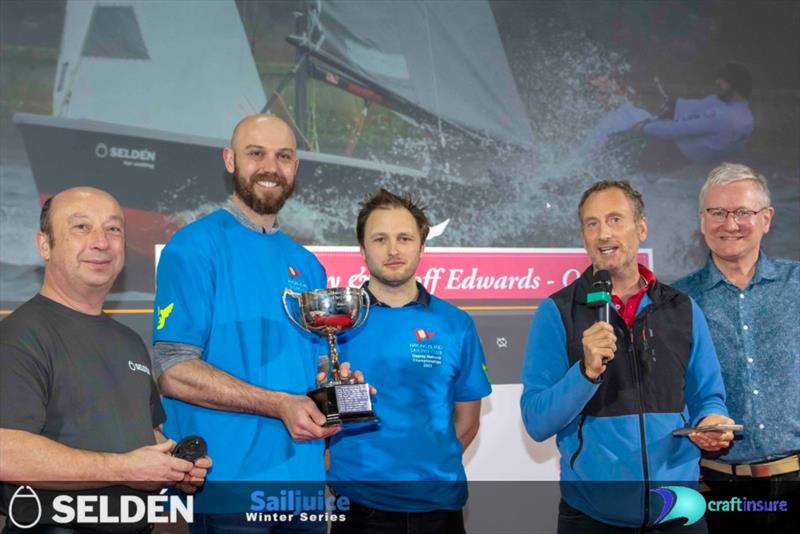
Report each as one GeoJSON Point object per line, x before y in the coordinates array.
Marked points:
{"type": "Point", "coordinates": [623, 185]}
{"type": "Point", "coordinates": [384, 199]}
{"type": "Point", "coordinates": [738, 76]}
{"type": "Point", "coordinates": [46, 222]}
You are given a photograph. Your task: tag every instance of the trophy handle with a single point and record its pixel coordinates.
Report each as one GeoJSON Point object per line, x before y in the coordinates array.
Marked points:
{"type": "Point", "coordinates": [364, 306]}
{"type": "Point", "coordinates": [289, 293]}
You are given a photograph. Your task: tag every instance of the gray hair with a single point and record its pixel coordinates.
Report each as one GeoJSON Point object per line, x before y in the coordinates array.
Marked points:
{"type": "Point", "coordinates": [627, 189]}
{"type": "Point", "coordinates": [728, 173]}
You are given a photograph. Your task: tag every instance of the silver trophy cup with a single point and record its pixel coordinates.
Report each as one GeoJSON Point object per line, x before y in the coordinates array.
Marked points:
{"type": "Point", "coordinates": [328, 312]}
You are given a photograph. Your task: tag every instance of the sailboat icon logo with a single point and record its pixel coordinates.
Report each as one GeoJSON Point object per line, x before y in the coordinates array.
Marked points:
{"type": "Point", "coordinates": [23, 494]}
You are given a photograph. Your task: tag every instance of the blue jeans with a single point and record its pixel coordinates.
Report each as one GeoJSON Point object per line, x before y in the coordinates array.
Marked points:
{"type": "Point", "coordinates": [364, 520]}
{"type": "Point", "coordinates": [573, 521]}
{"type": "Point", "coordinates": [238, 524]}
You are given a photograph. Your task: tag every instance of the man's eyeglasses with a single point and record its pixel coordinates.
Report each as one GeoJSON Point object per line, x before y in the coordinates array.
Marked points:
{"type": "Point", "coordinates": [739, 215]}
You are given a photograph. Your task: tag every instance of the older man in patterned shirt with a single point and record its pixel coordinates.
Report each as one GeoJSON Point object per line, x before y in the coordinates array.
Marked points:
{"type": "Point", "coordinates": [751, 303]}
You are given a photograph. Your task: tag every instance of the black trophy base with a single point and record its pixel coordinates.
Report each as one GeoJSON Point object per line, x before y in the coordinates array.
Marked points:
{"type": "Point", "coordinates": [344, 403]}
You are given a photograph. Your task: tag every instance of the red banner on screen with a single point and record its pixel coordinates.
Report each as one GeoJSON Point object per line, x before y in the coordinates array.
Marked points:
{"type": "Point", "coordinates": [476, 273]}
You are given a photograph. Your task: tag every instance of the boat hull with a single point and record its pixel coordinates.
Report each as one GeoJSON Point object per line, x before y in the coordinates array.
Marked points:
{"type": "Point", "coordinates": [165, 180]}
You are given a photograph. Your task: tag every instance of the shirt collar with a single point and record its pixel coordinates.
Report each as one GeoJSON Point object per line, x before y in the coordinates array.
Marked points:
{"type": "Point", "coordinates": [240, 216]}
{"type": "Point", "coordinates": [765, 270]}
{"type": "Point", "coordinates": [423, 297]}
{"type": "Point", "coordinates": [646, 277]}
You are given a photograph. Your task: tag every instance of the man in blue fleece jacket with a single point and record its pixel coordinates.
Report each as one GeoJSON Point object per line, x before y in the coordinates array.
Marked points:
{"type": "Point", "coordinates": [613, 391]}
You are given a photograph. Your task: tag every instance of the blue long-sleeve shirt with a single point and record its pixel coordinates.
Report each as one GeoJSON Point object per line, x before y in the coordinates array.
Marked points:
{"type": "Point", "coordinates": [757, 335]}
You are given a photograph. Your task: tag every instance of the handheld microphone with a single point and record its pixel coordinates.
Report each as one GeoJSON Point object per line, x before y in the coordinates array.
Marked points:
{"type": "Point", "coordinates": [600, 298]}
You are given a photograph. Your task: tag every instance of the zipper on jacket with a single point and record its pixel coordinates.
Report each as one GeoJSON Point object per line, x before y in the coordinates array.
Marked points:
{"type": "Point", "coordinates": [580, 442]}
{"type": "Point", "coordinates": [638, 377]}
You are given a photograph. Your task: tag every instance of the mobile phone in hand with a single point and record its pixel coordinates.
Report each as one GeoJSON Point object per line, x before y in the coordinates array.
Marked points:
{"type": "Point", "coordinates": [720, 427]}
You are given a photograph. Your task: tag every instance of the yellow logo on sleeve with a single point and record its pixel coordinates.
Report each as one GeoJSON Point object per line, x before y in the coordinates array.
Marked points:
{"type": "Point", "coordinates": [163, 314]}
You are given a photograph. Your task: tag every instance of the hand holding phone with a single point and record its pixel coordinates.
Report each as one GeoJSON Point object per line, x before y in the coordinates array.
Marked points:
{"type": "Point", "coordinates": [708, 428]}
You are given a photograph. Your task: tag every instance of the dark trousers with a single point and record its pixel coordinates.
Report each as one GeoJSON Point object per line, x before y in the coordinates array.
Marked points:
{"type": "Point", "coordinates": [237, 523]}
{"type": "Point", "coordinates": [364, 520]}
{"type": "Point", "coordinates": [9, 528]}
{"type": "Point", "coordinates": [725, 487]}
{"type": "Point", "coordinates": [573, 521]}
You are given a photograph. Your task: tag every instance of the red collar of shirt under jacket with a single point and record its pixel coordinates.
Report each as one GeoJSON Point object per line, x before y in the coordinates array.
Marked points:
{"type": "Point", "coordinates": [627, 310]}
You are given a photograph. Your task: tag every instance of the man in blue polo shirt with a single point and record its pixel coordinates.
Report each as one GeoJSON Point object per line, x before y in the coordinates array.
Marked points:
{"type": "Point", "coordinates": [424, 357]}
{"type": "Point", "coordinates": [232, 368]}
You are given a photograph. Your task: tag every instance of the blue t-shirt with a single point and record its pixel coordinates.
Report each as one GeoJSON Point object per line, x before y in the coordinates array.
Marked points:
{"type": "Point", "coordinates": [219, 288]}
{"type": "Point", "coordinates": [422, 358]}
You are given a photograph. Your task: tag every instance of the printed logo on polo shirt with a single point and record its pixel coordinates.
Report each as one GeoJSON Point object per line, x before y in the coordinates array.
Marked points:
{"type": "Point", "coordinates": [295, 282]}
{"type": "Point", "coordinates": [423, 352]}
{"type": "Point", "coordinates": [163, 314]}
{"type": "Point", "coordinates": [422, 334]}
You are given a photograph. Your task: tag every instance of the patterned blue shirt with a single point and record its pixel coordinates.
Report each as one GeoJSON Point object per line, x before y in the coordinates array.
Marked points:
{"type": "Point", "coordinates": [756, 332]}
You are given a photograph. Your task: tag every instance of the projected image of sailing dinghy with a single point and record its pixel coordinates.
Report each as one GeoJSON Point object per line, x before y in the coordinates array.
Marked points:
{"type": "Point", "coordinates": [146, 95]}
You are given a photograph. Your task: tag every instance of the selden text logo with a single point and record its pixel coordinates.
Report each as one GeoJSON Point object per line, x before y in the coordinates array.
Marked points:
{"type": "Point", "coordinates": [137, 157]}
{"type": "Point", "coordinates": [101, 509]}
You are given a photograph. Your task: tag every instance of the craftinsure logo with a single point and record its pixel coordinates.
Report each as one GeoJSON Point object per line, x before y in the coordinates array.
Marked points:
{"type": "Point", "coordinates": [97, 509]}
{"type": "Point", "coordinates": [680, 502]}
{"type": "Point", "coordinates": [690, 505]}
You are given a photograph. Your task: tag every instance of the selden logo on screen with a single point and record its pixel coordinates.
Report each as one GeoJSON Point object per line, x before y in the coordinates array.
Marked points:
{"type": "Point", "coordinates": [98, 509]}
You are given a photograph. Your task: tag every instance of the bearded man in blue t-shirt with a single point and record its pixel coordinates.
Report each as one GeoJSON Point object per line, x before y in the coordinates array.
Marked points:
{"type": "Point", "coordinates": [424, 356]}
{"type": "Point", "coordinates": [232, 367]}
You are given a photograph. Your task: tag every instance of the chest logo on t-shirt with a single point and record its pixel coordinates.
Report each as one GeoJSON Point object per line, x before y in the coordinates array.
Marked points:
{"type": "Point", "coordinates": [425, 353]}
{"type": "Point", "coordinates": [422, 334]}
{"type": "Point", "coordinates": [133, 366]}
{"type": "Point", "coordinates": [163, 314]}
{"type": "Point", "coordinates": [295, 282]}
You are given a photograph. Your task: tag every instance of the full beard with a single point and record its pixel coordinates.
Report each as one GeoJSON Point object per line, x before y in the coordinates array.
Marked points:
{"type": "Point", "coordinates": [267, 205]}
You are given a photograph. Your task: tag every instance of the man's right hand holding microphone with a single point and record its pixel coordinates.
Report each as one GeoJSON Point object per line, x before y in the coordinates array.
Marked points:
{"type": "Point", "coordinates": [599, 346]}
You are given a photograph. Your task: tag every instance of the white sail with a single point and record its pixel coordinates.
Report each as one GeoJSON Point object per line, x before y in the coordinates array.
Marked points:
{"type": "Point", "coordinates": [443, 56]}
{"type": "Point", "coordinates": [176, 66]}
